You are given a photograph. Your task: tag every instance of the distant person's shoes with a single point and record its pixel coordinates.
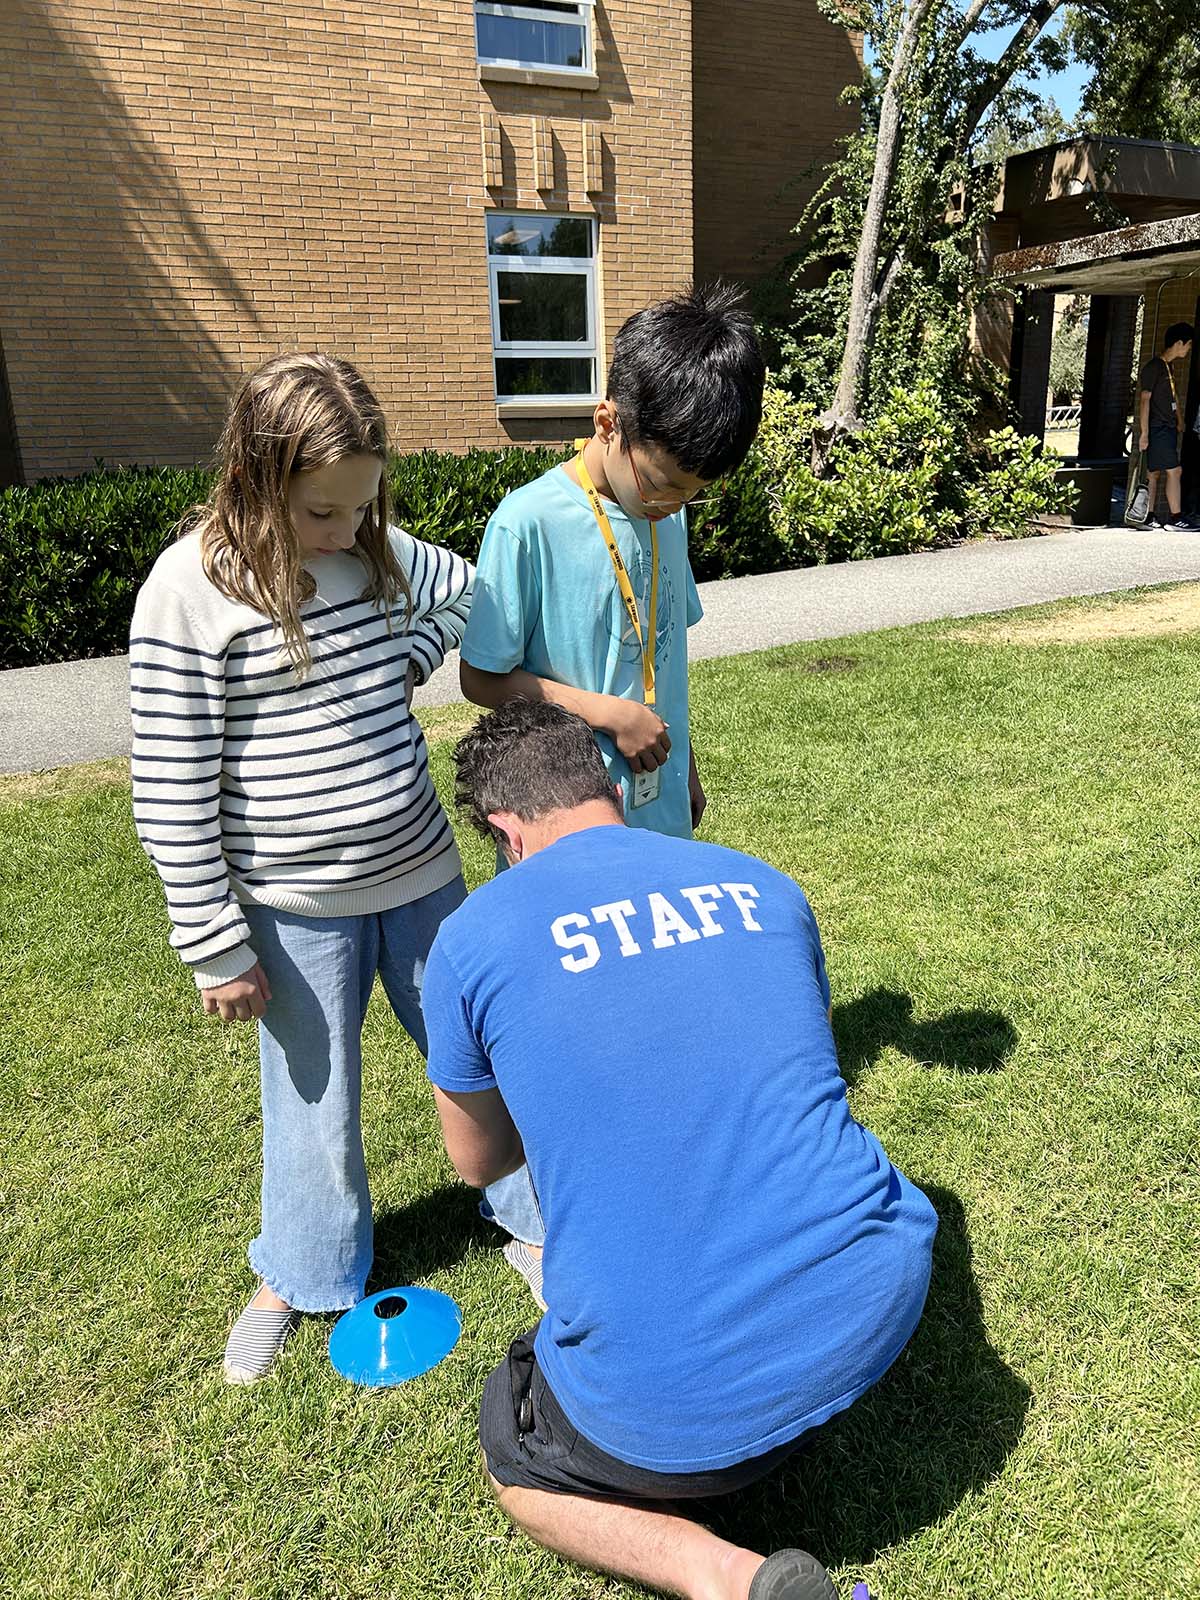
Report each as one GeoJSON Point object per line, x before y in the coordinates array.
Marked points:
{"type": "Point", "coordinates": [791, 1575]}
{"type": "Point", "coordinates": [1152, 524]}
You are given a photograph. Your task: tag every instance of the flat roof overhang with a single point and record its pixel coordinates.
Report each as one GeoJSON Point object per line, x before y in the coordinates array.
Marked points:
{"type": "Point", "coordinates": [1123, 261]}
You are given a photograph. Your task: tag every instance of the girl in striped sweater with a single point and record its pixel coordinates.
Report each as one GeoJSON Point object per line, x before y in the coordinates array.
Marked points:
{"type": "Point", "coordinates": [281, 788]}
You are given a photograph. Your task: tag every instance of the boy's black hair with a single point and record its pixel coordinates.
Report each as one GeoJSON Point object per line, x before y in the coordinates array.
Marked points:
{"type": "Point", "coordinates": [687, 374]}
{"type": "Point", "coordinates": [1178, 333]}
{"type": "Point", "coordinates": [528, 757]}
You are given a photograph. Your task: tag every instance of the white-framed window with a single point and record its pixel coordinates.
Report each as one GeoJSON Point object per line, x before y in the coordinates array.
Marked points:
{"type": "Point", "coordinates": [542, 277]}
{"type": "Point", "coordinates": [552, 35]}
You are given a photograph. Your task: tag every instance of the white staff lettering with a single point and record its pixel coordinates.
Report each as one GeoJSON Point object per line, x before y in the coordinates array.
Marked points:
{"type": "Point", "coordinates": [745, 897]}
{"type": "Point", "coordinates": [619, 913]}
{"type": "Point", "coordinates": [670, 926]}
{"type": "Point", "coordinates": [703, 901]}
{"type": "Point", "coordinates": [591, 950]}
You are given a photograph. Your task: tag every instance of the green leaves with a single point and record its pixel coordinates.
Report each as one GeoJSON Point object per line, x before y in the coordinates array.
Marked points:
{"type": "Point", "coordinates": [73, 553]}
{"type": "Point", "coordinates": [914, 478]}
{"type": "Point", "coordinates": [448, 498]}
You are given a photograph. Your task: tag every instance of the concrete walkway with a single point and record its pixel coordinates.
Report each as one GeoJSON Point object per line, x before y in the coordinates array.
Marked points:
{"type": "Point", "coordinates": [56, 716]}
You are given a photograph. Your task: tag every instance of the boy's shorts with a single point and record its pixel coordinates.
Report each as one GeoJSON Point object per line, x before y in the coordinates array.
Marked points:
{"type": "Point", "coordinates": [1163, 452]}
{"type": "Point", "coordinates": [541, 1450]}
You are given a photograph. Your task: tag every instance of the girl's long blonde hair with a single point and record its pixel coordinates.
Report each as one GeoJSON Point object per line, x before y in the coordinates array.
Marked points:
{"type": "Point", "coordinates": [296, 413]}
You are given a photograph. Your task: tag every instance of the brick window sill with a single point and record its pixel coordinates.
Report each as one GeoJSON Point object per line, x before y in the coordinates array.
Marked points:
{"type": "Point", "coordinates": [539, 77]}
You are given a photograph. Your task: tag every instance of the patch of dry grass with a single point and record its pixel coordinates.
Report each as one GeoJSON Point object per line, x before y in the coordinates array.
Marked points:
{"type": "Point", "coordinates": [447, 722]}
{"type": "Point", "coordinates": [1149, 614]}
{"type": "Point", "coordinates": [62, 782]}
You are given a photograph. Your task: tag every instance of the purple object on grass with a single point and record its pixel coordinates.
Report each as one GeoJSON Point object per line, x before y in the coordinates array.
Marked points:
{"type": "Point", "coordinates": [861, 1592]}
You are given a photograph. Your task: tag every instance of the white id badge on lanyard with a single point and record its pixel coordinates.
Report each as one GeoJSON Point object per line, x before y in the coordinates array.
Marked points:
{"type": "Point", "coordinates": [645, 787]}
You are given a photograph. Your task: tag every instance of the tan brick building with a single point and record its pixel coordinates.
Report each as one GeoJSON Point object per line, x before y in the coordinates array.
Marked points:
{"type": "Point", "coordinates": [465, 199]}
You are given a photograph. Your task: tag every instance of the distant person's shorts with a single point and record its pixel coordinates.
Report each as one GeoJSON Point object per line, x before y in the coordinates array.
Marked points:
{"type": "Point", "coordinates": [1163, 454]}
{"type": "Point", "coordinates": [529, 1444]}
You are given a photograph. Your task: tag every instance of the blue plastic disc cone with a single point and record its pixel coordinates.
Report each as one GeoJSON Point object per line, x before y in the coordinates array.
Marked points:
{"type": "Point", "coordinates": [393, 1336]}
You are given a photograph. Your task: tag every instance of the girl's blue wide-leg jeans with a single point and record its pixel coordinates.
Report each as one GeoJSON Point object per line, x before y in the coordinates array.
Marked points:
{"type": "Point", "coordinates": [316, 1243]}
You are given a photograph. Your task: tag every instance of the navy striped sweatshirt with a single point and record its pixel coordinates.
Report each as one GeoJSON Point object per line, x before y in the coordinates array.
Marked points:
{"type": "Point", "coordinates": [311, 795]}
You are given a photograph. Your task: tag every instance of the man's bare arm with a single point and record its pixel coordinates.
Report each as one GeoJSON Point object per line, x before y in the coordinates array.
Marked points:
{"type": "Point", "coordinates": [481, 1138]}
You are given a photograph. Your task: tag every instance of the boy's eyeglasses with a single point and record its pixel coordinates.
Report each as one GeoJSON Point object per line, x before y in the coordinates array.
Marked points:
{"type": "Point", "coordinates": [703, 497]}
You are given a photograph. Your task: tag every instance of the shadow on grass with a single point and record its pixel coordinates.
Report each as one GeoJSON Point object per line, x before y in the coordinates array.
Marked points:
{"type": "Point", "coordinates": [939, 1424]}
{"type": "Point", "coordinates": [428, 1235]}
{"type": "Point", "coordinates": [967, 1041]}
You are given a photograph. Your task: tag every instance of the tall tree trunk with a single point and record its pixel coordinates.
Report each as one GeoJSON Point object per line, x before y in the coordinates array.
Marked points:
{"type": "Point", "coordinates": [866, 293]}
{"type": "Point", "coordinates": [842, 417]}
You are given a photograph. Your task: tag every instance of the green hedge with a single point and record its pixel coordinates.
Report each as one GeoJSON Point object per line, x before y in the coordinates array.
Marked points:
{"type": "Point", "coordinates": [73, 552]}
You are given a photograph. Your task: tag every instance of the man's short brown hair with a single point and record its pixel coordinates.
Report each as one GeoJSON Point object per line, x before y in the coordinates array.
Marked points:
{"type": "Point", "coordinates": [531, 758]}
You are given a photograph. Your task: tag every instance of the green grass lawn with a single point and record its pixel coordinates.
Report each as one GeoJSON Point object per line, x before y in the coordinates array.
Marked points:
{"type": "Point", "coordinates": [1000, 843]}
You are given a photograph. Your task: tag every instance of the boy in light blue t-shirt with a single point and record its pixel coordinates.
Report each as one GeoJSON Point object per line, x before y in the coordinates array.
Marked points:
{"type": "Point", "coordinates": [557, 616]}
{"type": "Point", "coordinates": [551, 618]}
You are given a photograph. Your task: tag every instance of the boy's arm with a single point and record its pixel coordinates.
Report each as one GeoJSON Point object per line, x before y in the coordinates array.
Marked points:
{"type": "Point", "coordinates": [638, 733]}
{"type": "Point", "coordinates": [696, 794]}
{"type": "Point", "coordinates": [1145, 420]}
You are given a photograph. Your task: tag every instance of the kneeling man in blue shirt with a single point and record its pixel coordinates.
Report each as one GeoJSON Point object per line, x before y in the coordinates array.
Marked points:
{"type": "Point", "coordinates": [730, 1258]}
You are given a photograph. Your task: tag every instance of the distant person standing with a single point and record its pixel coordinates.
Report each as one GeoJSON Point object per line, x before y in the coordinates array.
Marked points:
{"type": "Point", "coordinates": [1159, 420]}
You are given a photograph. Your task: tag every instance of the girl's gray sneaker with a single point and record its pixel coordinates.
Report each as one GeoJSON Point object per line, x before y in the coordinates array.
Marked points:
{"type": "Point", "coordinates": [522, 1259]}
{"type": "Point", "coordinates": [255, 1341]}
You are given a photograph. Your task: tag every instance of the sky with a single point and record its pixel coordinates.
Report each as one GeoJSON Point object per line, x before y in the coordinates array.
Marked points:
{"type": "Point", "coordinates": [1065, 87]}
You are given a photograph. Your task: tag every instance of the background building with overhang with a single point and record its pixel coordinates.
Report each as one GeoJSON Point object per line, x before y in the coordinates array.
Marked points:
{"type": "Point", "coordinates": [1116, 221]}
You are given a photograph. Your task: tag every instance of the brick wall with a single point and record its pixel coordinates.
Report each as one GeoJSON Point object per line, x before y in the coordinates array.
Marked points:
{"type": "Point", "coordinates": [190, 187]}
{"type": "Point", "coordinates": [1178, 303]}
{"type": "Point", "coordinates": [767, 117]}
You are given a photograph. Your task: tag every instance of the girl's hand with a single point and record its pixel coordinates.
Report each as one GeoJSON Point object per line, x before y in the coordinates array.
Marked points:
{"type": "Point", "coordinates": [240, 999]}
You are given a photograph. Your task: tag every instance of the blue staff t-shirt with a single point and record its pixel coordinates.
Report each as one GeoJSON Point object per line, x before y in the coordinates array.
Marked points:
{"type": "Point", "coordinates": [546, 599]}
{"type": "Point", "coordinates": [730, 1257]}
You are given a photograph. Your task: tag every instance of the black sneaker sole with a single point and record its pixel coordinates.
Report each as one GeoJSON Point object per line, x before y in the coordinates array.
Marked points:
{"type": "Point", "coordinates": [792, 1575]}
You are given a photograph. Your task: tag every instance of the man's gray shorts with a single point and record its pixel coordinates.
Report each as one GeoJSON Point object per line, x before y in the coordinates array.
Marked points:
{"type": "Point", "coordinates": [529, 1443]}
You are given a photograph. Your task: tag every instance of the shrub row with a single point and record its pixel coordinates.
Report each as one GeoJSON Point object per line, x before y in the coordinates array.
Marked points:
{"type": "Point", "coordinates": [73, 552]}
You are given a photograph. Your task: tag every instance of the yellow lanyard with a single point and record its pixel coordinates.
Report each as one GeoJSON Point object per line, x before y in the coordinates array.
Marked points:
{"type": "Point", "coordinates": [645, 642]}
